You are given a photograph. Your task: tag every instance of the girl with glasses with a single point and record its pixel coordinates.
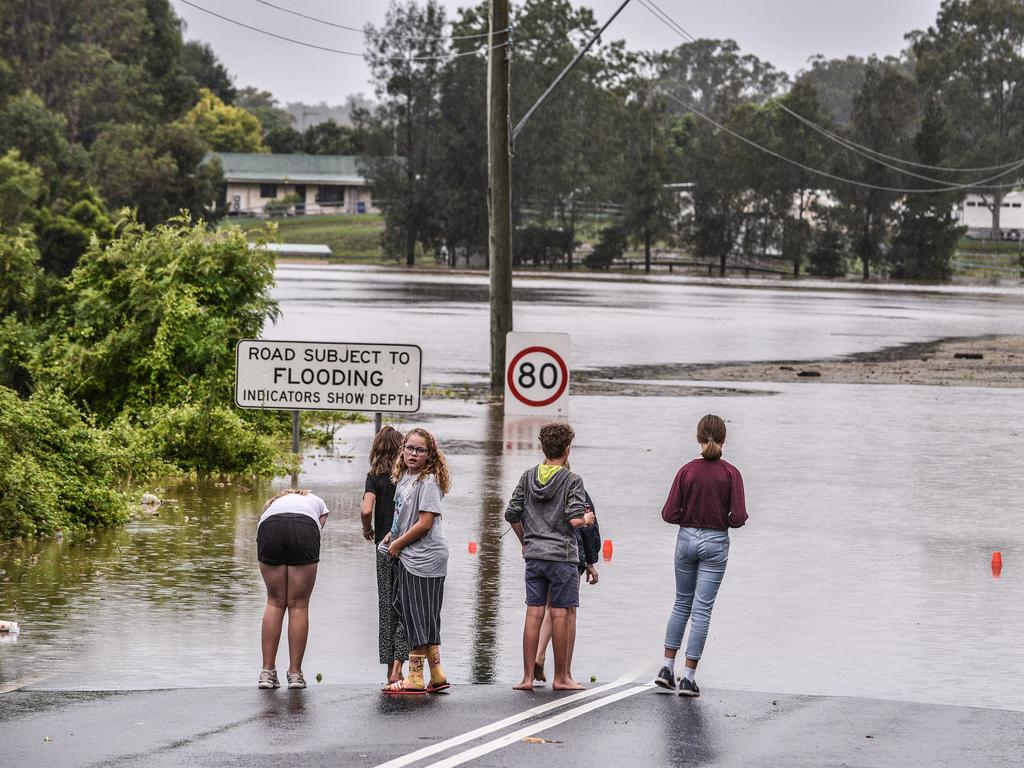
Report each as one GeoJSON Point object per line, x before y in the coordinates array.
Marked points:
{"type": "Point", "coordinates": [418, 544]}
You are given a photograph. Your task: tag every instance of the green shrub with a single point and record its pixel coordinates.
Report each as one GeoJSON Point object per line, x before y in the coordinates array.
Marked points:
{"type": "Point", "coordinates": [56, 469]}
{"type": "Point", "coordinates": [212, 439]}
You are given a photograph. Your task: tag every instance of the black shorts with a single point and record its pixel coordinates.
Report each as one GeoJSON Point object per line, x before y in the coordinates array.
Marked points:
{"type": "Point", "coordinates": [288, 539]}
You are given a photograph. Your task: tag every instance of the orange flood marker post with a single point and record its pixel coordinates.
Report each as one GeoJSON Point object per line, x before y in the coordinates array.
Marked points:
{"type": "Point", "coordinates": [997, 564]}
{"type": "Point", "coordinates": [472, 547]}
{"type": "Point", "coordinates": [607, 552]}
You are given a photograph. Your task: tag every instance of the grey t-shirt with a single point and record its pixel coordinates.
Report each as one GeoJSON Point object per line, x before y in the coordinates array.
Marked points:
{"type": "Point", "coordinates": [427, 557]}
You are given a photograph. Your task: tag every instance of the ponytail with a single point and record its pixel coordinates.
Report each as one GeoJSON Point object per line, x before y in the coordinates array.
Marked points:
{"type": "Point", "coordinates": [711, 436]}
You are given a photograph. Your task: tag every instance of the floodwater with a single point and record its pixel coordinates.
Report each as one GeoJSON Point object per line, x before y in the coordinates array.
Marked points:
{"type": "Point", "coordinates": [864, 569]}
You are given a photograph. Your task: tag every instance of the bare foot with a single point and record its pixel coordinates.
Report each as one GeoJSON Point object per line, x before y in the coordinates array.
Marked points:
{"type": "Point", "coordinates": [538, 673]}
{"type": "Point", "coordinates": [568, 684]}
{"type": "Point", "coordinates": [394, 679]}
{"type": "Point", "coordinates": [525, 685]}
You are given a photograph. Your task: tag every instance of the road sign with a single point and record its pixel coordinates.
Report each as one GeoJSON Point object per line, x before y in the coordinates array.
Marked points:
{"type": "Point", "coordinates": [325, 376]}
{"type": "Point", "coordinates": [537, 374]}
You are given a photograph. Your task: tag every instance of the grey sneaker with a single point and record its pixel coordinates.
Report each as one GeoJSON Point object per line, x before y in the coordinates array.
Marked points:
{"type": "Point", "coordinates": [268, 679]}
{"type": "Point", "coordinates": [665, 679]}
{"type": "Point", "coordinates": [688, 688]}
{"type": "Point", "coordinates": [296, 680]}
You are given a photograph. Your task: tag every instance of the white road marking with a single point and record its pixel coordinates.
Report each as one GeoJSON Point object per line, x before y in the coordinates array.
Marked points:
{"type": "Point", "coordinates": [522, 733]}
{"type": "Point", "coordinates": [455, 741]}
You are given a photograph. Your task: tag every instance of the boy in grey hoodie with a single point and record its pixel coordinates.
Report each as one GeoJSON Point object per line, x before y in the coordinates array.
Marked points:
{"type": "Point", "coordinates": [546, 508]}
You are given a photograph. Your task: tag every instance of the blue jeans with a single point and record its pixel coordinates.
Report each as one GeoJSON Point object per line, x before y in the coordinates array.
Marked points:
{"type": "Point", "coordinates": [701, 557]}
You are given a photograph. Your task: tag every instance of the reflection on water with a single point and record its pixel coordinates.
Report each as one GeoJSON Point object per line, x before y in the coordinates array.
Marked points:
{"type": "Point", "coordinates": [865, 569]}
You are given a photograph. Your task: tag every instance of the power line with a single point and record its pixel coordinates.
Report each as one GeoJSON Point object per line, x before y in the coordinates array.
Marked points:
{"type": "Point", "coordinates": [360, 30]}
{"type": "Point", "coordinates": [834, 177]}
{"type": "Point", "coordinates": [847, 144]}
{"type": "Point", "coordinates": [858, 149]}
{"type": "Point", "coordinates": [360, 54]}
{"type": "Point", "coordinates": [667, 20]}
{"type": "Point", "coordinates": [851, 144]}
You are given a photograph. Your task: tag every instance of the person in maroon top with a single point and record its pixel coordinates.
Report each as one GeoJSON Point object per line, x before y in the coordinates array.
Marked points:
{"type": "Point", "coordinates": [705, 501]}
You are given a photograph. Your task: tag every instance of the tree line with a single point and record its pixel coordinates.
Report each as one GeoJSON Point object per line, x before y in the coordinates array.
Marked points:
{"type": "Point", "coordinates": [854, 162]}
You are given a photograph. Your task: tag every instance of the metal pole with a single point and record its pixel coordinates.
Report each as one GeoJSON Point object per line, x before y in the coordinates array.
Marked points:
{"type": "Point", "coordinates": [499, 193]}
{"type": "Point", "coordinates": [377, 419]}
{"type": "Point", "coordinates": [566, 71]}
{"type": "Point", "coordinates": [295, 431]}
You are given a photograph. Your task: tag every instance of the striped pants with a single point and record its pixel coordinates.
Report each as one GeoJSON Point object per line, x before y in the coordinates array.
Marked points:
{"type": "Point", "coordinates": [391, 641]}
{"type": "Point", "coordinates": [419, 602]}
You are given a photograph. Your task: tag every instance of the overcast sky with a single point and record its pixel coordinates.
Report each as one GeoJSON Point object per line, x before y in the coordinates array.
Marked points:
{"type": "Point", "coordinates": [783, 32]}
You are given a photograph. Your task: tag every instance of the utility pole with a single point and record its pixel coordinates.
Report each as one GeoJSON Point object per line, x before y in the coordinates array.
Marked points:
{"type": "Point", "coordinates": [499, 189]}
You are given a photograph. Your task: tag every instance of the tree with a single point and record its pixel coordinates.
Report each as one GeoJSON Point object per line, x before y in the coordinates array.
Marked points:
{"type": "Point", "coordinates": [836, 82]}
{"type": "Point", "coordinates": [714, 76]}
{"type": "Point", "coordinates": [159, 172]}
{"type": "Point", "coordinates": [927, 233]}
{"type": "Point", "coordinates": [201, 64]}
{"type": "Point", "coordinates": [329, 138]}
{"type": "Point", "coordinates": [973, 57]}
{"type": "Point", "coordinates": [224, 127]}
{"type": "Point", "coordinates": [37, 133]}
{"type": "Point", "coordinates": [273, 118]}
{"type": "Point", "coordinates": [405, 161]}
{"type": "Point", "coordinates": [152, 318]}
{"type": "Point", "coordinates": [885, 114]}
{"type": "Point", "coordinates": [20, 186]}
{"type": "Point", "coordinates": [649, 202]}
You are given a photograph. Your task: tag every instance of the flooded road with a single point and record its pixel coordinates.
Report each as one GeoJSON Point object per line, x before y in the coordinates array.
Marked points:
{"type": "Point", "coordinates": [864, 570]}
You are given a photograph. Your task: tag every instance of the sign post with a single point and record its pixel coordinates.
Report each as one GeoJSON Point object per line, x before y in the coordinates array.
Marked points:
{"type": "Point", "coordinates": [537, 374]}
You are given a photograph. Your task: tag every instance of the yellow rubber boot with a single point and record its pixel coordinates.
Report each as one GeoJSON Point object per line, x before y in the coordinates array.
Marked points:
{"type": "Point", "coordinates": [414, 680]}
{"type": "Point", "coordinates": [438, 681]}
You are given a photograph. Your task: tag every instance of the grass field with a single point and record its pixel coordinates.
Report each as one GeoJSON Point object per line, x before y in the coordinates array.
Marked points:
{"type": "Point", "coordinates": [353, 238]}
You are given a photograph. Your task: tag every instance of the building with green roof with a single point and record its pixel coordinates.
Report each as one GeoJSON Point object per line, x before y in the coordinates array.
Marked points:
{"type": "Point", "coordinates": [323, 183]}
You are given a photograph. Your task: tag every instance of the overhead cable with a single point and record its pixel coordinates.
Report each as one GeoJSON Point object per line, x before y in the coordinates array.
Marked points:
{"type": "Point", "coordinates": [360, 54]}
{"type": "Point", "coordinates": [854, 182]}
{"type": "Point", "coordinates": [361, 30]}
{"type": "Point", "coordinates": [848, 144]}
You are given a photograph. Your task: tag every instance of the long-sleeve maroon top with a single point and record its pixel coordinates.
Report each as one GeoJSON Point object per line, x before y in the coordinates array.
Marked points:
{"type": "Point", "coordinates": [706, 494]}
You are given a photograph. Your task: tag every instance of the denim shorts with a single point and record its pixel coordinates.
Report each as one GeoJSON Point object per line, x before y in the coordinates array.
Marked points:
{"type": "Point", "coordinates": [559, 580]}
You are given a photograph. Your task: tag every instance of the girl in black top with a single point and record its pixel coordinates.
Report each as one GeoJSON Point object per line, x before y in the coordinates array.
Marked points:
{"type": "Point", "coordinates": [377, 514]}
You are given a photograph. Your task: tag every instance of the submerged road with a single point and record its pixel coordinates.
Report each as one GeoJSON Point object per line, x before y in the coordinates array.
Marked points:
{"type": "Point", "coordinates": [621, 723]}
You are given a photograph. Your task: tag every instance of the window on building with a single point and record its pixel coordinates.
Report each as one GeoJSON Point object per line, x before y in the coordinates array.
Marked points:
{"type": "Point", "coordinates": [1016, 205]}
{"type": "Point", "coordinates": [971, 205]}
{"type": "Point", "coordinates": [1006, 205]}
{"type": "Point", "coordinates": [331, 194]}
{"type": "Point", "coordinates": [268, 190]}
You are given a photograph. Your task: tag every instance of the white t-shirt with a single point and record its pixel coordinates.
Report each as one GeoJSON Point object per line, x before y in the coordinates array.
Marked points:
{"type": "Point", "coordinates": [310, 505]}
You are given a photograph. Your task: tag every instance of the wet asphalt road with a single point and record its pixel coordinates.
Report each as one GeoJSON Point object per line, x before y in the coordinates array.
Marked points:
{"type": "Point", "coordinates": [616, 726]}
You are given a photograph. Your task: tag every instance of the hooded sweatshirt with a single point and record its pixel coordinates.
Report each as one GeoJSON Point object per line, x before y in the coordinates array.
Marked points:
{"type": "Point", "coordinates": [544, 509]}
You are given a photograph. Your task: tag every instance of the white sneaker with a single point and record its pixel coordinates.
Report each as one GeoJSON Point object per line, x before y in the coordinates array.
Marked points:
{"type": "Point", "coordinates": [296, 680]}
{"type": "Point", "coordinates": [268, 679]}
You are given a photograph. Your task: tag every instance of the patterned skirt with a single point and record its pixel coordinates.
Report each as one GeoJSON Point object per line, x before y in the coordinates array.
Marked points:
{"type": "Point", "coordinates": [392, 641]}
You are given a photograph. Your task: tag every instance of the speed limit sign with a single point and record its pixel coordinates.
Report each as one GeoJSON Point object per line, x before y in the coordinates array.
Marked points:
{"type": "Point", "coordinates": [537, 374]}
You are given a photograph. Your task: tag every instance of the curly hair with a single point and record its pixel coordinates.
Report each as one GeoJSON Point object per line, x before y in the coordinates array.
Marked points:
{"type": "Point", "coordinates": [386, 448]}
{"type": "Point", "coordinates": [555, 439]}
{"type": "Point", "coordinates": [435, 463]}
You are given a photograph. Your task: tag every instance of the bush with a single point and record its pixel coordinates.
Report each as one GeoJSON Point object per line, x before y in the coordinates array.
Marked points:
{"type": "Point", "coordinates": [56, 470]}
{"type": "Point", "coordinates": [212, 439]}
{"type": "Point", "coordinates": [610, 247]}
{"type": "Point", "coordinates": [827, 257]}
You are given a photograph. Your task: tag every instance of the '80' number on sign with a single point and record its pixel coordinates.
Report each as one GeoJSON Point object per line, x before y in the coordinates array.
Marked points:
{"type": "Point", "coordinates": [529, 377]}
